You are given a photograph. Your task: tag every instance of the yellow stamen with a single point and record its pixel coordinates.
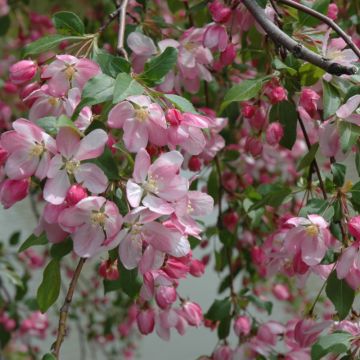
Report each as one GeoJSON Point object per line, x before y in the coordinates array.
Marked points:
{"type": "Point", "coordinates": [141, 114]}
{"type": "Point", "coordinates": [71, 166]}
{"type": "Point", "coordinates": [312, 230]}
{"type": "Point", "coordinates": [98, 218]}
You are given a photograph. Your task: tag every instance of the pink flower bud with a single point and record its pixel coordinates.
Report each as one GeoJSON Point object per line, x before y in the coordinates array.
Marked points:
{"type": "Point", "coordinates": [230, 181]}
{"type": "Point", "coordinates": [248, 110]}
{"type": "Point", "coordinates": [9, 324]}
{"type": "Point", "coordinates": [22, 71]}
{"type": "Point", "coordinates": [274, 133]}
{"type": "Point", "coordinates": [197, 268]}
{"type": "Point", "coordinates": [354, 227]}
{"type": "Point", "coordinates": [10, 88]}
{"type": "Point", "coordinates": [230, 220]}
{"type": "Point", "coordinates": [75, 194]}
{"type": "Point", "coordinates": [12, 191]}
{"type": "Point", "coordinates": [174, 117]}
{"type": "Point", "coordinates": [253, 146]}
{"type": "Point", "coordinates": [281, 292]}
{"type": "Point", "coordinates": [223, 352]}
{"type": "Point", "coordinates": [146, 321]}
{"type": "Point", "coordinates": [194, 164]}
{"type": "Point", "coordinates": [308, 100]}
{"type": "Point", "coordinates": [219, 12]}
{"type": "Point", "coordinates": [257, 255]}
{"type": "Point", "coordinates": [192, 313]}
{"type": "Point", "coordinates": [109, 270]}
{"type": "Point", "coordinates": [276, 94]}
{"type": "Point", "coordinates": [27, 90]}
{"type": "Point", "coordinates": [176, 268]}
{"type": "Point", "coordinates": [333, 11]}
{"type": "Point", "coordinates": [258, 120]}
{"type": "Point", "coordinates": [242, 326]}
{"type": "Point", "coordinates": [165, 296]}
{"type": "Point", "coordinates": [228, 55]}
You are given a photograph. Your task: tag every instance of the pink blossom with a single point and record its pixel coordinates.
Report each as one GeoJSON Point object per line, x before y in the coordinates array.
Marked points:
{"type": "Point", "coordinates": [72, 150]}
{"type": "Point", "coordinates": [29, 149]}
{"type": "Point", "coordinates": [219, 12]}
{"type": "Point", "coordinates": [309, 100]}
{"type": "Point", "coordinates": [94, 224]}
{"type": "Point", "coordinates": [75, 193]}
{"type": "Point", "coordinates": [4, 7]}
{"type": "Point", "coordinates": [165, 296]}
{"type": "Point", "coordinates": [333, 11]}
{"type": "Point", "coordinates": [230, 220]}
{"type": "Point", "coordinates": [109, 270]}
{"type": "Point", "coordinates": [223, 352]}
{"type": "Point", "coordinates": [146, 321]}
{"type": "Point", "coordinates": [13, 191]}
{"type": "Point", "coordinates": [192, 312]}
{"type": "Point", "coordinates": [22, 71]}
{"type": "Point", "coordinates": [215, 37]}
{"type": "Point", "coordinates": [354, 227]}
{"type": "Point", "coordinates": [159, 182]}
{"type": "Point", "coordinates": [348, 266]}
{"type": "Point", "coordinates": [311, 237]}
{"type": "Point", "coordinates": [68, 71]}
{"type": "Point", "coordinates": [242, 326]}
{"type": "Point", "coordinates": [141, 44]}
{"type": "Point", "coordinates": [141, 120]}
{"type": "Point", "coordinates": [281, 292]}
{"type": "Point", "coordinates": [194, 164]}
{"type": "Point", "coordinates": [197, 268]}
{"type": "Point", "coordinates": [274, 133]}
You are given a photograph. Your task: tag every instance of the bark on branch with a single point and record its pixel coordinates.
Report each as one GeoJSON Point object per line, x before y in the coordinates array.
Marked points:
{"type": "Point", "coordinates": [296, 48]}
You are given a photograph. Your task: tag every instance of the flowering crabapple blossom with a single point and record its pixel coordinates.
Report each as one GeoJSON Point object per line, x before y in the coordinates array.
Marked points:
{"type": "Point", "coordinates": [67, 165]}
{"type": "Point", "coordinates": [22, 71]}
{"type": "Point", "coordinates": [94, 224]}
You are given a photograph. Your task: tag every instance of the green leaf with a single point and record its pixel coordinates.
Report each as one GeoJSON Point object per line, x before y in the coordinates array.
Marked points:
{"type": "Point", "coordinates": [213, 185]}
{"type": "Point", "coordinates": [68, 23]}
{"type": "Point", "coordinates": [336, 343]}
{"type": "Point", "coordinates": [357, 161]}
{"type": "Point", "coordinates": [47, 43]}
{"type": "Point", "coordinates": [100, 89]}
{"type": "Point", "coordinates": [353, 90]}
{"type": "Point", "coordinates": [224, 328]}
{"type": "Point", "coordinates": [107, 164]}
{"type": "Point", "coordinates": [308, 20]}
{"type": "Point", "coordinates": [285, 113]}
{"type": "Point", "coordinates": [331, 99]}
{"type": "Point", "coordinates": [349, 134]}
{"type": "Point", "coordinates": [340, 294]}
{"type": "Point", "coordinates": [355, 194]}
{"type": "Point", "coordinates": [319, 207]}
{"type": "Point", "coordinates": [14, 238]}
{"type": "Point", "coordinates": [48, 356]}
{"type": "Point", "coordinates": [5, 23]}
{"type": "Point", "coordinates": [181, 103]}
{"type": "Point", "coordinates": [52, 125]}
{"type": "Point", "coordinates": [274, 198]}
{"type": "Point", "coordinates": [266, 305]}
{"type": "Point", "coordinates": [309, 157]}
{"type": "Point", "coordinates": [157, 68]}
{"type": "Point", "coordinates": [49, 289]}
{"type": "Point", "coordinates": [279, 65]}
{"type": "Point", "coordinates": [33, 240]}
{"type": "Point", "coordinates": [112, 65]}
{"type": "Point", "coordinates": [246, 90]}
{"type": "Point", "coordinates": [12, 275]}
{"type": "Point", "coordinates": [126, 86]}
{"type": "Point", "coordinates": [338, 171]}
{"type": "Point", "coordinates": [58, 251]}
{"type": "Point", "coordinates": [310, 74]}
{"type": "Point", "coordinates": [129, 281]}
{"type": "Point", "coordinates": [219, 310]}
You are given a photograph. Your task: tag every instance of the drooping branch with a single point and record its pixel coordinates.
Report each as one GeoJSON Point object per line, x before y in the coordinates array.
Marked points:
{"type": "Point", "coordinates": [64, 311]}
{"type": "Point", "coordinates": [296, 48]}
{"type": "Point", "coordinates": [325, 20]}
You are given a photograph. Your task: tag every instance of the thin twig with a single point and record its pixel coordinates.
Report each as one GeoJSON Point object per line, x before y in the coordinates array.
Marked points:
{"type": "Point", "coordinates": [325, 20]}
{"type": "Point", "coordinates": [64, 311]}
{"type": "Point", "coordinates": [111, 17]}
{"type": "Point", "coordinates": [121, 33]}
{"type": "Point", "coordinates": [189, 14]}
{"type": "Point", "coordinates": [296, 48]}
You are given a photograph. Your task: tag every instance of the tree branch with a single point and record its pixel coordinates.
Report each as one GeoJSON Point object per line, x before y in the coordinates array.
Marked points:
{"type": "Point", "coordinates": [121, 33]}
{"type": "Point", "coordinates": [64, 311]}
{"type": "Point", "coordinates": [325, 20]}
{"type": "Point", "coordinates": [300, 51]}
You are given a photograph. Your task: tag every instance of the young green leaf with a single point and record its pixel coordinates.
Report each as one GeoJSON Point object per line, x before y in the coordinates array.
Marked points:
{"type": "Point", "coordinates": [336, 343]}
{"type": "Point", "coordinates": [349, 134]}
{"type": "Point", "coordinates": [308, 20]}
{"type": "Point", "coordinates": [219, 310]}
{"type": "Point", "coordinates": [126, 86]}
{"type": "Point", "coordinates": [181, 103]}
{"type": "Point", "coordinates": [309, 157]}
{"type": "Point", "coordinates": [68, 23]}
{"type": "Point", "coordinates": [49, 289]}
{"type": "Point", "coordinates": [331, 99]}
{"type": "Point", "coordinates": [112, 65]}
{"type": "Point", "coordinates": [33, 240]}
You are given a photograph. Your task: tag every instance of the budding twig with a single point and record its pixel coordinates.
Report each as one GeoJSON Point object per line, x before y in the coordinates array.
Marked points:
{"type": "Point", "coordinates": [325, 20]}
{"type": "Point", "coordinates": [64, 311]}
{"type": "Point", "coordinates": [296, 48]}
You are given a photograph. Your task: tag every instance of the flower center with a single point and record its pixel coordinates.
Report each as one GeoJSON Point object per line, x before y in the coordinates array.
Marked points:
{"type": "Point", "coordinates": [37, 150]}
{"type": "Point", "coordinates": [69, 72]}
{"type": "Point", "coordinates": [98, 218]}
{"type": "Point", "coordinates": [190, 46]}
{"type": "Point", "coordinates": [312, 230]}
{"type": "Point", "coordinates": [53, 101]}
{"type": "Point", "coordinates": [141, 114]}
{"type": "Point", "coordinates": [151, 185]}
{"type": "Point", "coordinates": [71, 166]}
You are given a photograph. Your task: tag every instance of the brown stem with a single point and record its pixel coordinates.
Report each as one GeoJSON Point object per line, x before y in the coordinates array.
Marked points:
{"type": "Point", "coordinates": [296, 48]}
{"type": "Point", "coordinates": [325, 20]}
{"type": "Point", "coordinates": [189, 14]}
{"type": "Point", "coordinates": [64, 311]}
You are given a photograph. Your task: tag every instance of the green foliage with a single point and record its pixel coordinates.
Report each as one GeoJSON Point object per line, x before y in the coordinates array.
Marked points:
{"type": "Point", "coordinates": [331, 99]}
{"type": "Point", "coordinates": [5, 23]}
{"type": "Point", "coordinates": [308, 20]}
{"type": "Point", "coordinates": [58, 251]}
{"type": "Point", "coordinates": [52, 124]}
{"type": "Point", "coordinates": [126, 86]}
{"type": "Point", "coordinates": [33, 240]}
{"type": "Point", "coordinates": [338, 171]}
{"type": "Point", "coordinates": [310, 74]}
{"type": "Point", "coordinates": [68, 23]}
{"type": "Point", "coordinates": [336, 343]}
{"type": "Point", "coordinates": [112, 65]}
{"type": "Point", "coordinates": [49, 289]}
{"type": "Point", "coordinates": [181, 103]}
{"type": "Point", "coordinates": [349, 134]}
{"type": "Point", "coordinates": [219, 310]}
{"type": "Point", "coordinates": [309, 157]}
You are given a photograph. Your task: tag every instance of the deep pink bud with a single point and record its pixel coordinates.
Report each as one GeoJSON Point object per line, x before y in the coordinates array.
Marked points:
{"type": "Point", "coordinates": [308, 100]}
{"type": "Point", "coordinates": [253, 146]}
{"type": "Point", "coordinates": [230, 220]}
{"type": "Point", "coordinates": [281, 292]}
{"type": "Point", "coordinates": [75, 194]}
{"type": "Point", "coordinates": [274, 133]}
{"type": "Point", "coordinates": [175, 268]}
{"type": "Point", "coordinates": [12, 191]}
{"type": "Point", "coordinates": [354, 227]}
{"type": "Point", "coordinates": [146, 321]}
{"type": "Point", "coordinates": [219, 12]}
{"type": "Point", "coordinates": [242, 326]}
{"type": "Point", "coordinates": [258, 120]}
{"type": "Point", "coordinates": [22, 71]}
{"type": "Point", "coordinates": [230, 181]}
{"type": "Point", "coordinates": [192, 313]}
{"type": "Point", "coordinates": [165, 296]}
{"type": "Point", "coordinates": [174, 117]}
{"type": "Point", "coordinates": [248, 110]}
{"type": "Point", "coordinates": [333, 11]}
{"type": "Point", "coordinates": [257, 255]}
{"type": "Point", "coordinates": [223, 352]}
{"type": "Point", "coordinates": [27, 90]}
{"type": "Point", "coordinates": [194, 164]}
{"type": "Point", "coordinates": [298, 264]}
{"type": "Point", "coordinates": [109, 270]}
{"type": "Point", "coordinates": [197, 268]}
{"type": "Point", "coordinates": [10, 88]}
{"type": "Point", "coordinates": [228, 55]}
{"type": "Point", "coordinates": [276, 94]}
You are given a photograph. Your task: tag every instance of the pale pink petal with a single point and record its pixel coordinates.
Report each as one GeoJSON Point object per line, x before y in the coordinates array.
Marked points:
{"type": "Point", "coordinates": [119, 113]}
{"type": "Point", "coordinates": [88, 240]}
{"type": "Point", "coordinates": [157, 135]}
{"type": "Point", "coordinates": [56, 188]}
{"type": "Point", "coordinates": [21, 164]}
{"type": "Point", "coordinates": [91, 203]}
{"type": "Point", "coordinates": [135, 135]}
{"type": "Point", "coordinates": [43, 166]}
{"type": "Point", "coordinates": [92, 145]}
{"type": "Point", "coordinates": [349, 107]}
{"type": "Point", "coordinates": [141, 167]}
{"type": "Point", "coordinates": [28, 129]}
{"type": "Point", "coordinates": [329, 139]}
{"type": "Point", "coordinates": [196, 141]}
{"type": "Point", "coordinates": [196, 120]}
{"type": "Point", "coordinates": [157, 205]}
{"type": "Point", "coordinates": [92, 177]}
{"type": "Point", "coordinates": [201, 204]}
{"type": "Point", "coordinates": [156, 115]}
{"type": "Point", "coordinates": [318, 220]}
{"type": "Point", "coordinates": [56, 163]}
{"type": "Point", "coordinates": [67, 142]}
{"type": "Point", "coordinates": [133, 193]}
{"type": "Point", "coordinates": [71, 218]}
{"type": "Point", "coordinates": [12, 141]}
{"type": "Point", "coordinates": [313, 250]}
{"type": "Point", "coordinates": [173, 189]}
{"type": "Point", "coordinates": [151, 260]}
{"type": "Point", "coordinates": [141, 44]}
{"type": "Point", "coordinates": [130, 250]}
{"type": "Point", "coordinates": [113, 221]}
{"type": "Point", "coordinates": [346, 261]}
